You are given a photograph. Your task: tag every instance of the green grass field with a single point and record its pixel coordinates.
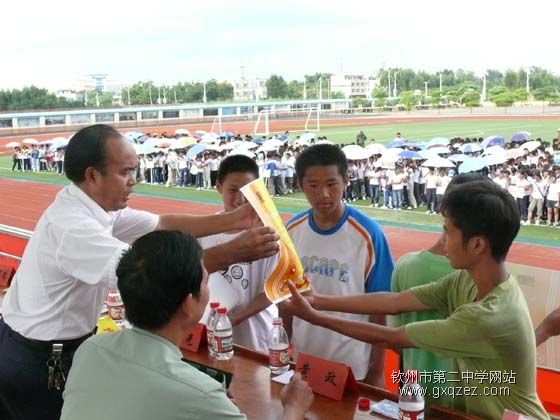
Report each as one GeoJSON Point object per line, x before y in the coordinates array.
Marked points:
{"type": "Point", "coordinates": [382, 133]}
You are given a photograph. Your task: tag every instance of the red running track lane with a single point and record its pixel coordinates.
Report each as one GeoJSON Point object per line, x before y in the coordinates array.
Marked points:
{"type": "Point", "coordinates": [23, 203]}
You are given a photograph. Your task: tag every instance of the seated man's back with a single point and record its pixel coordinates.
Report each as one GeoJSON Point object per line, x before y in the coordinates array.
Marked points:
{"type": "Point", "coordinates": [134, 374]}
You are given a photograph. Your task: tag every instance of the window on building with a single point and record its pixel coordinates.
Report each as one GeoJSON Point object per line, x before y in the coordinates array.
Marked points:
{"type": "Point", "coordinates": [105, 117]}
{"type": "Point", "coordinates": [28, 122]}
{"type": "Point", "coordinates": [210, 112]}
{"type": "Point", "coordinates": [149, 115]}
{"type": "Point", "coordinates": [80, 119]}
{"type": "Point", "coordinates": [171, 114]}
{"type": "Point", "coordinates": [127, 116]}
{"type": "Point", "coordinates": [55, 120]}
{"type": "Point", "coordinates": [6, 122]}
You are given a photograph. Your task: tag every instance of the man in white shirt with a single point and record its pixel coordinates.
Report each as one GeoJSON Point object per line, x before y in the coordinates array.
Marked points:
{"type": "Point", "coordinates": [431, 186]}
{"type": "Point", "coordinates": [57, 294]}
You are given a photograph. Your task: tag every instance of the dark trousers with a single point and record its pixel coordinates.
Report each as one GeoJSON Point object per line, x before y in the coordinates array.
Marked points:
{"type": "Point", "coordinates": [17, 162]}
{"type": "Point", "coordinates": [23, 379]}
{"type": "Point", "coordinates": [59, 167]}
{"type": "Point", "coordinates": [213, 176]}
{"type": "Point", "coordinates": [522, 204]}
{"type": "Point", "coordinates": [431, 199]}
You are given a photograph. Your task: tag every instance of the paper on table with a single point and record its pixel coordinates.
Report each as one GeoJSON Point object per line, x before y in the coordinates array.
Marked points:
{"type": "Point", "coordinates": [284, 378]}
{"type": "Point", "coordinates": [289, 265]}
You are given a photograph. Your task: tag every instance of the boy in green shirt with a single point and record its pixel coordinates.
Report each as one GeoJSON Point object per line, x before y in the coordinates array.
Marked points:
{"type": "Point", "coordinates": [486, 328]}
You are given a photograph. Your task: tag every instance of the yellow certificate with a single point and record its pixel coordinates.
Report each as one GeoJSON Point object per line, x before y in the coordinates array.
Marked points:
{"type": "Point", "coordinates": [289, 266]}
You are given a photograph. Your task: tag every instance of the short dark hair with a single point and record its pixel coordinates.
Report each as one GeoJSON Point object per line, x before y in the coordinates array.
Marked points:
{"type": "Point", "coordinates": [236, 163]}
{"type": "Point", "coordinates": [87, 149]}
{"type": "Point", "coordinates": [467, 177]}
{"type": "Point", "coordinates": [158, 272]}
{"type": "Point", "coordinates": [483, 208]}
{"type": "Point", "coordinates": [321, 155]}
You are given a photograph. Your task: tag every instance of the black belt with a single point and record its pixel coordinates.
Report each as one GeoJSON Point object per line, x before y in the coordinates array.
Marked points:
{"type": "Point", "coordinates": [46, 346]}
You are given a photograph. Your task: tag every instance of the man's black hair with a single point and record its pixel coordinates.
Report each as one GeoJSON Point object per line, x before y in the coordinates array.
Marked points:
{"type": "Point", "coordinates": [87, 149]}
{"type": "Point", "coordinates": [236, 163]}
{"type": "Point", "coordinates": [158, 272]}
{"type": "Point", "coordinates": [321, 155]}
{"type": "Point", "coordinates": [483, 208]}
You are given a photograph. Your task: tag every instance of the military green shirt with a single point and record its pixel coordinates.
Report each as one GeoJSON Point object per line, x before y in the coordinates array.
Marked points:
{"type": "Point", "coordinates": [491, 341]}
{"type": "Point", "coordinates": [136, 375]}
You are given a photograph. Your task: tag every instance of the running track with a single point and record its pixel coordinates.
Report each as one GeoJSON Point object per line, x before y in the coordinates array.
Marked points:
{"type": "Point", "coordinates": [23, 202]}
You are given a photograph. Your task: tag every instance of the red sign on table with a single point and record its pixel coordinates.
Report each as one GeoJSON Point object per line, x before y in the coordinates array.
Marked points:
{"type": "Point", "coordinates": [195, 339]}
{"type": "Point", "coordinates": [325, 377]}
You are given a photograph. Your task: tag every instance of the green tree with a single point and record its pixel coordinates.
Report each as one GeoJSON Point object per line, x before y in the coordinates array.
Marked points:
{"type": "Point", "coordinates": [276, 87]}
{"type": "Point", "coordinates": [295, 90]}
{"type": "Point", "coordinates": [510, 79]}
{"type": "Point", "coordinates": [380, 102]}
{"type": "Point", "coordinates": [337, 95]}
{"type": "Point", "coordinates": [520, 94]}
{"type": "Point", "coordinates": [548, 93]}
{"type": "Point", "coordinates": [379, 92]}
{"type": "Point", "coordinates": [504, 99]}
{"type": "Point", "coordinates": [471, 98]}
{"type": "Point", "coordinates": [408, 100]}
{"type": "Point", "coordinates": [494, 78]}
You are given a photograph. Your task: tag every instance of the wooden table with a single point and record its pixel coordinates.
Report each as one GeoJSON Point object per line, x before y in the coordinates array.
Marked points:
{"type": "Point", "coordinates": [259, 398]}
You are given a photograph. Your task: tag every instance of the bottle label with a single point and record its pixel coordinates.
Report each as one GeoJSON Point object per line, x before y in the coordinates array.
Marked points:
{"type": "Point", "coordinates": [223, 344]}
{"type": "Point", "coordinates": [210, 338]}
{"type": "Point", "coordinates": [409, 415]}
{"type": "Point", "coordinates": [278, 357]}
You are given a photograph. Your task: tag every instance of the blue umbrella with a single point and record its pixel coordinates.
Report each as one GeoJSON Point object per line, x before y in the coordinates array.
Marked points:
{"type": "Point", "coordinates": [396, 143]}
{"type": "Point", "coordinates": [458, 157]}
{"type": "Point", "coordinates": [493, 141]}
{"type": "Point", "coordinates": [227, 134]}
{"type": "Point", "coordinates": [409, 154]}
{"type": "Point", "coordinates": [471, 148]}
{"type": "Point", "coordinates": [438, 141]}
{"type": "Point", "coordinates": [259, 141]}
{"type": "Point", "coordinates": [557, 159]}
{"type": "Point", "coordinates": [413, 144]}
{"type": "Point", "coordinates": [473, 165]}
{"type": "Point", "coordinates": [282, 137]}
{"type": "Point", "coordinates": [151, 142]}
{"type": "Point", "coordinates": [521, 137]}
{"type": "Point", "coordinates": [196, 149]}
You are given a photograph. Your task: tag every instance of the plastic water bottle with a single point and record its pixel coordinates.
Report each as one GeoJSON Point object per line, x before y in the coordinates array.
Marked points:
{"type": "Point", "coordinates": [278, 343]}
{"type": "Point", "coordinates": [411, 398]}
{"type": "Point", "coordinates": [223, 336]}
{"type": "Point", "coordinates": [210, 324]}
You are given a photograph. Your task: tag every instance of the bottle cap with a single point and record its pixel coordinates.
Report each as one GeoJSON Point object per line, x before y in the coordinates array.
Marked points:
{"type": "Point", "coordinates": [214, 305]}
{"type": "Point", "coordinates": [277, 321]}
{"type": "Point", "coordinates": [364, 404]}
{"type": "Point", "coordinates": [222, 310]}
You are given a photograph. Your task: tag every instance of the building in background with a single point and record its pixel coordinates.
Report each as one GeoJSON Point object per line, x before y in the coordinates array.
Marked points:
{"type": "Point", "coordinates": [353, 85]}
{"type": "Point", "coordinates": [249, 89]}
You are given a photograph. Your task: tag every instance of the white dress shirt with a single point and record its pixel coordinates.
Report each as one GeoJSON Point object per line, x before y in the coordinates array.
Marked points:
{"type": "Point", "coordinates": [70, 260]}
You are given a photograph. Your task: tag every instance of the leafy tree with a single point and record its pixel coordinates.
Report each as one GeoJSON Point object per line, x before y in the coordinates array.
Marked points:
{"type": "Point", "coordinates": [545, 94]}
{"type": "Point", "coordinates": [276, 87]}
{"type": "Point", "coordinates": [379, 92]}
{"type": "Point", "coordinates": [471, 98]}
{"type": "Point", "coordinates": [520, 94]}
{"type": "Point", "coordinates": [504, 99]}
{"type": "Point", "coordinates": [408, 99]}
{"type": "Point", "coordinates": [295, 90]}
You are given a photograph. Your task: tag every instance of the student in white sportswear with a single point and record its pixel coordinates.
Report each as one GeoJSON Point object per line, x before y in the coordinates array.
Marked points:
{"type": "Point", "coordinates": [343, 252]}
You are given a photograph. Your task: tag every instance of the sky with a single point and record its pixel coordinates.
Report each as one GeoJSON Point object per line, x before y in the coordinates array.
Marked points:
{"type": "Point", "coordinates": [55, 43]}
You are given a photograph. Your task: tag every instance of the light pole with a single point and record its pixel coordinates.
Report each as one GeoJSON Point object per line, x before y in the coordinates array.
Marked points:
{"type": "Point", "coordinates": [175, 94]}
{"type": "Point", "coordinates": [128, 92]}
{"type": "Point", "coordinates": [150, 90]}
{"type": "Point", "coordinates": [395, 84]}
{"type": "Point", "coordinates": [527, 85]}
{"type": "Point", "coordinates": [440, 83]}
{"type": "Point", "coordinates": [321, 88]}
{"type": "Point", "coordinates": [204, 92]}
{"type": "Point", "coordinates": [389, 79]}
{"type": "Point", "coordinates": [159, 95]}
{"type": "Point", "coordinates": [304, 90]}
{"type": "Point", "coordinates": [426, 89]}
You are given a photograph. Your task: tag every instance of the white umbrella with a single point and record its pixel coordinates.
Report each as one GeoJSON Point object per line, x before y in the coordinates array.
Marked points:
{"type": "Point", "coordinates": [249, 145]}
{"type": "Point", "coordinates": [13, 144]}
{"type": "Point", "coordinates": [376, 148]}
{"type": "Point", "coordinates": [438, 162]}
{"type": "Point", "coordinates": [273, 143]}
{"type": "Point", "coordinates": [531, 145]}
{"type": "Point", "coordinates": [355, 152]}
{"type": "Point", "coordinates": [492, 150]}
{"type": "Point", "coordinates": [324, 142]}
{"type": "Point", "coordinates": [213, 148]}
{"type": "Point", "coordinates": [233, 144]}
{"type": "Point", "coordinates": [200, 132]}
{"type": "Point", "coordinates": [242, 151]}
{"type": "Point", "coordinates": [182, 131]}
{"type": "Point", "coordinates": [496, 159]}
{"type": "Point", "coordinates": [210, 138]}
{"type": "Point", "coordinates": [439, 150]}
{"type": "Point", "coordinates": [30, 141]}
{"type": "Point", "coordinates": [266, 149]}
{"type": "Point", "coordinates": [305, 138]}
{"type": "Point", "coordinates": [513, 153]}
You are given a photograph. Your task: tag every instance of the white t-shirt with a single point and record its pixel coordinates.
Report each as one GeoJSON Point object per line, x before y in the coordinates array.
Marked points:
{"type": "Point", "coordinates": [442, 184]}
{"type": "Point", "coordinates": [248, 281]}
{"type": "Point", "coordinates": [431, 180]}
{"type": "Point", "coordinates": [214, 164]}
{"type": "Point", "coordinates": [351, 258]}
{"type": "Point", "coordinates": [69, 262]}
{"type": "Point", "coordinates": [539, 190]}
{"type": "Point", "coordinates": [553, 191]}
{"type": "Point", "coordinates": [397, 181]}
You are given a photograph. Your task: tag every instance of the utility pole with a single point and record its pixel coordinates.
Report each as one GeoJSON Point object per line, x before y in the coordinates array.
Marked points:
{"type": "Point", "coordinates": [440, 84]}
{"type": "Point", "coordinates": [204, 92]}
{"type": "Point", "coordinates": [425, 89]}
